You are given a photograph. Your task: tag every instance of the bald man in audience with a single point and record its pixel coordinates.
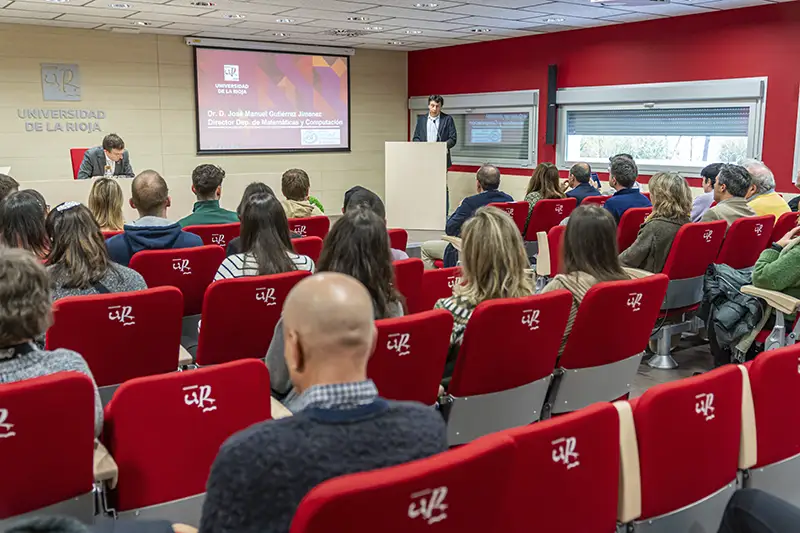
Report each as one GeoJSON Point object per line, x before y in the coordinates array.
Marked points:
{"type": "Point", "coordinates": [152, 231]}
{"type": "Point", "coordinates": [261, 474]}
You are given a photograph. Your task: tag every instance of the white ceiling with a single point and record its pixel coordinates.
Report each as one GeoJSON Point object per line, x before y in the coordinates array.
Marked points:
{"type": "Point", "coordinates": [390, 24]}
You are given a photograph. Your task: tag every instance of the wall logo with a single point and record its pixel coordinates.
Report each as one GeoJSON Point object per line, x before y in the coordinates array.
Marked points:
{"type": "Point", "coordinates": [61, 83]}
{"type": "Point", "coordinates": [231, 72]}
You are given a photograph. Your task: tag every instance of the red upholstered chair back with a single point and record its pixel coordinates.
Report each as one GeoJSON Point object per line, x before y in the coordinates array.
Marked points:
{"type": "Point", "coordinates": [647, 195]}
{"type": "Point", "coordinates": [76, 156]}
{"type": "Point", "coordinates": [111, 233]}
{"type": "Point", "coordinates": [310, 226]}
{"type": "Point", "coordinates": [746, 239]}
{"type": "Point", "coordinates": [398, 239]}
{"type": "Point", "coordinates": [555, 241]}
{"type": "Point", "coordinates": [775, 382]}
{"type": "Point", "coordinates": [239, 316]}
{"type": "Point", "coordinates": [310, 246]}
{"type": "Point", "coordinates": [697, 422]}
{"type": "Point", "coordinates": [629, 225]}
{"type": "Point", "coordinates": [784, 225]}
{"type": "Point", "coordinates": [46, 441]}
{"type": "Point", "coordinates": [517, 210]}
{"type": "Point", "coordinates": [133, 334]}
{"type": "Point", "coordinates": [165, 431]}
{"type": "Point", "coordinates": [190, 269]}
{"type": "Point", "coordinates": [218, 234]}
{"type": "Point", "coordinates": [694, 248]}
{"type": "Point", "coordinates": [599, 200]}
{"type": "Point", "coordinates": [578, 454]}
{"type": "Point", "coordinates": [634, 303]}
{"type": "Point", "coordinates": [408, 280]}
{"type": "Point", "coordinates": [438, 284]}
{"type": "Point", "coordinates": [548, 213]}
{"type": "Point", "coordinates": [461, 490]}
{"type": "Point", "coordinates": [510, 342]}
{"type": "Point", "coordinates": [410, 355]}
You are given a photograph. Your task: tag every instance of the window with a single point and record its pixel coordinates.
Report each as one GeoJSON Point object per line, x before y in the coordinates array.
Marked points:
{"type": "Point", "coordinates": [796, 168]}
{"type": "Point", "coordinates": [497, 128]}
{"type": "Point", "coordinates": [677, 126]}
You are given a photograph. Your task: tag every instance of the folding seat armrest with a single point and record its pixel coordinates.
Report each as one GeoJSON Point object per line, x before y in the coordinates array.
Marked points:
{"type": "Point", "coordinates": [778, 300]}
{"type": "Point", "coordinates": [543, 257]}
{"type": "Point", "coordinates": [630, 485]}
{"type": "Point", "coordinates": [183, 528]}
{"type": "Point", "coordinates": [455, 241]}
{"type": "Point", "coordinates": [278, 410]}
{"type": "Point", "coordinates": [748, 450]}
{"type": "Point", "coordinates": [184, 357]}
{"type": "Point", "coordinates": [105, 468]}
{"type": "Point", "coordinates": [637, 273]}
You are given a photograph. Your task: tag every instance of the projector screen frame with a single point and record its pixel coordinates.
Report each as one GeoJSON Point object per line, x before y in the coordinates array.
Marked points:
{"type": "Point", "coordinates": [252, 151]}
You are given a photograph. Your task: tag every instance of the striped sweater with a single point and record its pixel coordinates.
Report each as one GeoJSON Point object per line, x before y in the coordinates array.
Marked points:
{"type": "Point", "coordinates": [240, 265]}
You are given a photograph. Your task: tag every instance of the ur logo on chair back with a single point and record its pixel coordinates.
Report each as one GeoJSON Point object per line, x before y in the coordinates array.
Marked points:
{"type": "Point", "coordinates": [759, 229]}
{"type": "Point", "coordinates": [266, 295]}
{"type": "Point", "coordinates": [5, 427]}
{"type": "Point", "coordinates": [530, 318]}
{"type": "Point", "coordinates": [635, 301]}
{"type": "Point", "coordinates": [399, 342]}
{"type": "Point", "coordinates": [564, 452]}
{"type": "Point", "coordinates": [426, 502]}
{"type": "Point", "coordinates": [203, 400]}
{"type": "Point", "coordinates": [300, 230]}
{"type": "Point", "coordinates": [218, 239]}
{"type": "Point", "coordinates": [182, 266]}
{"type": "Point", "coordinates": [122, 314]}
{"type": "Point", "coordinates": [560, 209]}
{"type": "Point", "coordinates": [705, 405]}
{"type": "Point", "coordinates": [708, 234]}
{"type": "Point", "coordinates": [452, 281]}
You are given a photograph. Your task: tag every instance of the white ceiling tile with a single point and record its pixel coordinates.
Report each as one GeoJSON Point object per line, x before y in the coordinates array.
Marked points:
{"type": "Point", "coordinates": [4, 3]}
{"type": "Point", "coordinates": [513, 4]}
{"type": "Point", "coordinates": [421, 24]}
{"type": "Point", "coordinates": [488, 11]}
{"type": "Point", "coordinates": [196, 28]}
{"type": "Point", "coordinates": [731, 4]}
{"type": "Point", "coordinates": [634, 17]}
{"type": "Point", "coordinates": [145, 7]}
{"type": "Point", "coordinates": [358, 26]}
{"type": "Point", "coordinates": [20, 13]}
{"type": "Point", "coordinates": [329, 5]}
{"type": "Point", "coordinates": [669, 9]}
{"type": "Point", "coordinates": [577, 10]}
{"type": "Point", "coordinates": [400, 12]}
{"type": "Point", "coordinates": [440, 4]}
{"type": "Point", "coordinates": [130, 21]}
{"type": "Point", "coordinates": [233, 6]}
{"type": "Point", "coordinates": [273, 26]}
{"type": "Point", "coordinates": [485, 22]}
{"type": "Point", "coordinates": [136, 29]}
{"type": "Point", "coordinates": [206, 20]}
{"type": "Point", "coordinates": [331, 15]}
{"type": "Point", "coordinates": [42, 22]}
{"type": "Point", "coordinates": [401, 32]}
{"type": "Point", "coordinates": [72, 2]}
{"type": "Point", "coordinates": [59, 9]}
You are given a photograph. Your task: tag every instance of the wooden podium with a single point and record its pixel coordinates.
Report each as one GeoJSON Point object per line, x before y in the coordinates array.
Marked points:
{"type": "Point", "coordinates": [416, 185]}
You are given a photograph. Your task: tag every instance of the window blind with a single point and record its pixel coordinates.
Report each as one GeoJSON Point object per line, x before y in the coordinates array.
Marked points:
{"type": "Point", "coordinates": [700, 121]}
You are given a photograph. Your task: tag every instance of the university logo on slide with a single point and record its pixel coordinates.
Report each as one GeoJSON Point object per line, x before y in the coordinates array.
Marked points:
{"type": "Point", "coordinates": [231, 72]}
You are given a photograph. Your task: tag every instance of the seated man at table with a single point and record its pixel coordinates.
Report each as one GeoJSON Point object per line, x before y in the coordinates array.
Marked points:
{"type": "Point", "coordinates": [487, 184]}
{"type": "Point", "coordinates": [207, 187]}
{"type": "Point", "coordinates": [262, 473]}
{"type": "Point", "coordinates": [109, 159]}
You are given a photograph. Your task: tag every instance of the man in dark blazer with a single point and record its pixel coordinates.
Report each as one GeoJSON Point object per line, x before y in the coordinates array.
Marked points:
{"type": "Point", "coordinates": [436, 126]}
{"type": "Point", "coordinates": [111, 154]}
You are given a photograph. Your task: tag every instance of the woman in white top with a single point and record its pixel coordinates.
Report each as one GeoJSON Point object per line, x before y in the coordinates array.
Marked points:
{"type": "Point", "coordinates": [265, 241]}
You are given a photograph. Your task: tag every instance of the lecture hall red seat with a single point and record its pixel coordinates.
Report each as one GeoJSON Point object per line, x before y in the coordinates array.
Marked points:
{"type": "Point", "coordinates": [555, 241]}
{"type": "Point", "coordinates": [497, 383]}
{"type": "Point", "coordinates": [310, 246]}
{"type": "Point", "coordinates": [189, 269]}
{"type": "Point", "coordinates": [239, 316]}
{"type": "Point", "coordinates": [599, 200]}
{"type": "Point", "coordinates": [46, 447]}
{"type": "Point", "coordinates": [110, 233]}
{"type": "Point", "coordinates": [76, 157]}
{"type": "Point", "coordinates": [398, 239]}
{"type": "Point", "coordinates": [133, 334]}
{"type": "Point", "coordinates": [517, 210]}
{"type": "Point", "coordinates": [408, 279]}
{"type": "Point", "coordinates": [546, 214]}
{"type": "Point", "coordinates": [784, 225]}
{"type": "Point", "coordinates": [438, 284]}
{"type": "Point", "coordinates": [458, 491]}
{"type": "Point", "coordinates": [629, 225]}
{"type": "Point", "coordinates": [409, 357]}
{"type": "Point", "coordinates": [746, 239]}
{"type": "Point", "coordinates": [310, 226]}
{"type": "Point", "coordinates": [165, 431]}
{"type": "Point", "coordinates": [215, 234]}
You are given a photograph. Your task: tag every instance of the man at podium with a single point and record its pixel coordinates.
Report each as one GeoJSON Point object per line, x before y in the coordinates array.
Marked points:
{"type": "Point", "coordinates": [436, 126]}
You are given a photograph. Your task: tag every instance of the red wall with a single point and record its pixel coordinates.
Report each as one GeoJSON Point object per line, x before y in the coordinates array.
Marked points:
{"type": "Point", "coordinates": [757, 41]}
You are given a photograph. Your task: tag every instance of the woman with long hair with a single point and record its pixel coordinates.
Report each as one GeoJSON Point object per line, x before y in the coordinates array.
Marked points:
{"type": "Point", "coordinates": [493, 264]}
{"type": "Point", "coordinates": [265, 240]}
{"type": "Point", "coordinates": [253, 189]}
{"type": "Point", "coordinates": [589, 256]}
{"type": "Point", "coordinates": [105, 203]}
{"type": "Point", "coordinates": [545, 184]}
{"type": "Point", "coordinates": [672, 208]}
{"type": "Point", "coordinates": [78, 262]}
{"type": "Point", "coordinates": [22, 225]}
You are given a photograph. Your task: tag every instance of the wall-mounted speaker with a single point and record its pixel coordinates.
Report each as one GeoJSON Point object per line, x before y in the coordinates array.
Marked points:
{"type": "Point", "coordinates": [552, 88]}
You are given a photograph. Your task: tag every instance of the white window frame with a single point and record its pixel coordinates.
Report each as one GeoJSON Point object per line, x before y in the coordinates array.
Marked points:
{"type": "Point", "coordinates": [750, 92]}
{"type": "Point", "coordinates": [478, 103]}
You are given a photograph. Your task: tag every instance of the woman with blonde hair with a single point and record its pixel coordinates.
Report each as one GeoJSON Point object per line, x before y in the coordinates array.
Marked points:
{"type": "Point", "coordinates": [672, 208]}
{"type": "Point", "coordinates": [545, 184]}
{"type": "Point", "coordinates": [105, 203]}
{"type": "Point", "coordinates": [493, 264]}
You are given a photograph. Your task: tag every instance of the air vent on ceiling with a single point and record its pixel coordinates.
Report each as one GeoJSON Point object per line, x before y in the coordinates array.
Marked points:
{"type": "Point", "coordinates": [612, 3]}
{"type": "Point", "coordinates": [346, 33]}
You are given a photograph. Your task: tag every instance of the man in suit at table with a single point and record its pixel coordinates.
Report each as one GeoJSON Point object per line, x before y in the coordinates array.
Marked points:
{"type": "Point", "coordinates": [110, 159]}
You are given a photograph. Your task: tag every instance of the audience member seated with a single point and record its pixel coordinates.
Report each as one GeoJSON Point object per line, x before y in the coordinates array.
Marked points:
{"type": "Point", "coordinates": [358, 246]}
{"type": "Point", "coordinates": [152, 231]}
{"type": "Point", "coordinates": [778, 267]}
{"type": "Point", "coordinates": [235, 245]}
{"type": "Point", "coordinates": [7, 186]}
{"type": "Point", "coordinates": [672, 204]}
{"type": "Point", "coordinates": [487, 185]}
{"type": "Point", "coordinates": [589, 256]}
{"type": "Point", "coordinates": [579, 176]}
{"type": "Point", "coordinates": [105, 203]}
{"type": "Point", "coordinates": [730, 189]}
{"type": "Point", "coordinates": [25, 314]}
{"type": "Point", "coordinates": [545, 184]}
{"type": "Point", "coordinates": [295, 186]}
{"type": "Point", "coordinates": [207, 187]}
{"type": "Point", "coordinates": [703, 202]}
{"type": "Point", "coordinates": [794, 201]}
{"type": "Point", "coordinates": [359, 196]}
{"type": "Point", "coordinates": [493, 263]}
{"type": "Point", "coordinates": [340, 426]}
{"type": "Point", "coordinates": [78, 262]}
{"type": "Point", "coordinates": [265, 237]}
{"type": "Point", "coordinates": [22, 217]}
{"type": "Point", "coordinates": [762, 197]}
{"type": "Point", "coordinates": [622, 174]}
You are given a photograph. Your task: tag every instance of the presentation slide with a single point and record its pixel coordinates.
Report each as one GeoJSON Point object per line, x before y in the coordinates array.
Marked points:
{"type": "Point", "coordinates": [496, 128]}
{"type": "Point", "coordinates": [253, 101]}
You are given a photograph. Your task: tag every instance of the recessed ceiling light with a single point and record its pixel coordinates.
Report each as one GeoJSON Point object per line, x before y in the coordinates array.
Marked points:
{"type": "Point", "coordinates": [285, 21]}
{"type": "Point", "coordinates": [203, 4]}
{"type": "Point", "coordinates": [413, 32]}
{"type": "Point", "coordinates": [396, 43]}
{"type": "Point", "coordinates": [426, 6]}
{"type": "Point", "coordinates": [358, 19]}
{"type": "Point", "coordinates": [119, 6]}
{"type": "Point", "coordinates": [373, 28]}
{"type": "Point", "coordinates": [480, 30]}
{"type": "Point", "coordinates": [554, 20]}
{"type": "Point", "coordinates": [234, 16]}
{"type": "Point", "coordinates": [142, 23]}
{"type": "Point", "coordinates": [280, 34]}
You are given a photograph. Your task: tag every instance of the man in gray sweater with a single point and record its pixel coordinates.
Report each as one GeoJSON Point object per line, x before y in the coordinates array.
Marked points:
{"type": "Point", "coordinates": [261, 474]}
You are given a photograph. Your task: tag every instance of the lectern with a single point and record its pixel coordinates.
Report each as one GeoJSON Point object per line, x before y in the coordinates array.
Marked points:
{"type": "Point", "coordinates": [416, 185]}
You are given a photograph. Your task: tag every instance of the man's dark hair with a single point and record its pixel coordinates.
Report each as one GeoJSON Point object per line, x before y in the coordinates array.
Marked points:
{"type": "Point", "coordinates": [436, 98]}
{"type": "Point", "coordinates": [710, 172]}
{"type": "Point", "coordinates": [149, 193]}
{"type": "Point", "coordinates": [624, 171]}
{"type": "Point", "coordinates": [7, 186]}
{"type": "Point", "coordinates": [489, 177]}
{"type": "Point", "coordinates": [22, 222]}
{"type": "Point", "coordinates": [112, 141]}
{"type": "Point", "coordinates": [582, 172]}
{"type": "Point", "coordinates": [206, 178]}
{"type": "Point", "coordinates": [25, 298]}
{"type": "Point", "coordinates": [736, 179]}
{"type": "Point", "coordinates": [295, 184]}
{"type": "Point", "coordinates": [623, 154]}
{"type": "Point", "coordinates": [365, 198]}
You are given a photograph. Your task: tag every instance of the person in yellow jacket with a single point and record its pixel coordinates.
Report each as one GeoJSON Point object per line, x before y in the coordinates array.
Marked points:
{"type": "Point", "coordinates": [295, 186]}
{"type": "Point", "coordinates": [761, 197]}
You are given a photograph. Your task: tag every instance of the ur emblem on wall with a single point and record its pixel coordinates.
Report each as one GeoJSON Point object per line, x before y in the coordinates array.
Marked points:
{"type": "Point", "coordinates": [61, 82]}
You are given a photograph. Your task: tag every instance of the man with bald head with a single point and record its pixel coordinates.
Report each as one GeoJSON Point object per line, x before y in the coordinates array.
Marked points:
{"type": "Point", "coordinates": [579, 176]}
{"type": "Point", "coordinates": [152, 231]}
{"type": "Point", "coordinates": [342, 427]}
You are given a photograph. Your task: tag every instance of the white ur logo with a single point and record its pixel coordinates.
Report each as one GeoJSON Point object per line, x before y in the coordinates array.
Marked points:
{"type": "Point", "coordinates": [201, 399]}
{"type": "Point", "coordinates": [122, 314]}
{"type": "Point", "coordinates": [708, 234]}
{"type": "Point", "coordinates": [635, 301]}
{"type": "Point", "coordinates": [5, 427]}
{"type": "Point", "coordinates": [300, 230]}
{"type": "Point", "coordinates": [218, 239]}
{"type": "Point", "coordinates": [564, 452]}
{"type": "Point", "coordinates": [399, 343]}
{"type": "Point", "coordinates": [759, 228]}
{"type": "Point", "coordinates": [182, 266]}
{"type": "Point", "coordinates": [705, 405]}
{"type": "Point", "coordinates": [231, 72]}
{"type": "Point", "coordinates": [530, 318]}
{"type": "Point", "coordinates": [430, 500]}
{"type": "Point", "coordinates": [560, 209]}
{"type": "Point", "coordinates": [266, 295]}
{"type": "Point", "coordinates": [452, 281]}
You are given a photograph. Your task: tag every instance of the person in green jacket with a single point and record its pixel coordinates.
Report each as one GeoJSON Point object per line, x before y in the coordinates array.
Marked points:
{"type": "Point", "coordinates": [207, 186]}
{"type": "Point", "coordinates": [778, 267]}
